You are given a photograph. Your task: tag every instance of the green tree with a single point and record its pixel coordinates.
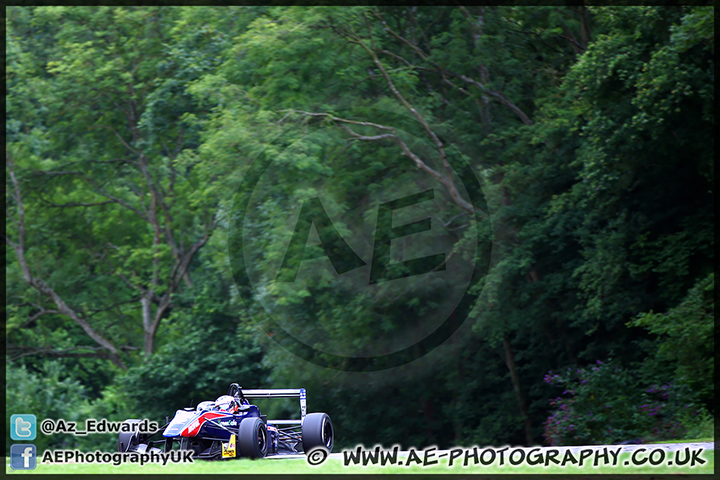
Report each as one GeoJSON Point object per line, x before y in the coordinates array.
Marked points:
{"type": "Point", "coordinates": [103, 218]}
{"type": "Point", "coordinates": [686, 339]}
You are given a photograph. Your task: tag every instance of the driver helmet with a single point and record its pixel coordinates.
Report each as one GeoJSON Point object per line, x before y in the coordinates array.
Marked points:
{"type": "Point", "coordinates": [226, 403]}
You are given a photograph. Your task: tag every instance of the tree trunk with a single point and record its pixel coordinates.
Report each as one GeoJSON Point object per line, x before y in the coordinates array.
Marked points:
{"type": "Point", "coordinates": [584, 27]}
{"type": "Point", "coordinates": [460, 379]}
{"type": "Point", "coordinates": [428, 409]}
{"type": "Point", "coordinates": [520, 394]}
{"type": "Point", "coordinates": [149, 344]}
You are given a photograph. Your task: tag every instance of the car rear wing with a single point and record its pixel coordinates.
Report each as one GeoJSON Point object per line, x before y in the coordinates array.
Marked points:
{"type": "Point", "coordinates": [281, 393]}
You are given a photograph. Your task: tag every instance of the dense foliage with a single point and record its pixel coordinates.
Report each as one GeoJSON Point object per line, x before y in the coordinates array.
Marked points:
{"type": "Point", "coordinates": [133, 134]}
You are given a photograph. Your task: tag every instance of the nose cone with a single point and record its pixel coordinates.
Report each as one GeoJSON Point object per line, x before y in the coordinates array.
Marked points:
{"type": "Point", "coordinates": [179, 422]}
{"type": "Point", "coordinates": [172, 432]}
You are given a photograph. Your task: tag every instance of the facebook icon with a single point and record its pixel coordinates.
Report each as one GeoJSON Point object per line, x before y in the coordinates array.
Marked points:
{"type": "Point", "coordinates": [23, 457]}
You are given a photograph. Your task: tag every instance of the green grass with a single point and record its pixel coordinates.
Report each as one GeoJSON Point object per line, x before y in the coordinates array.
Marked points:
{"type": "Point", "coordinates": [334, 466]}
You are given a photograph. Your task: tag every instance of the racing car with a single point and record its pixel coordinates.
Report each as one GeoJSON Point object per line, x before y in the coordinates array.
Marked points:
{"type": "Point", "coordinates": [231, 426]}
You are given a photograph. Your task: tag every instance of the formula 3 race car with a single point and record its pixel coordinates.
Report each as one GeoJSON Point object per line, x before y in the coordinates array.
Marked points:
{"type": "Point", "coordinates": [232, 427]}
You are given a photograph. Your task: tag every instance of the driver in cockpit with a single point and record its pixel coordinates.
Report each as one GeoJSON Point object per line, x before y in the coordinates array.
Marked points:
{"type": "Point", "coordinates": [226, 403]}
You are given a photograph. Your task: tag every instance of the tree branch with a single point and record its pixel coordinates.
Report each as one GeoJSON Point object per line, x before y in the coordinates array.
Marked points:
{"type": "Point", "coordinates": [65, 205]}
{"type": "Point", "coordinates": [122, 140]}
{"type": "Point", "coordinates": [43, 287]}
{"type": "Point", "coordinates": [425, 57]}
{"type": "Point", "coordinates": [95, 352]}
{"type": "Point", "coordinates": [446, 179]}
{"type": "Point", "coordinates": [37, 315]}
{"type": "Point", "coordinates": [446, 182]}
{"type": "Point", "coordinates": [115, 199]}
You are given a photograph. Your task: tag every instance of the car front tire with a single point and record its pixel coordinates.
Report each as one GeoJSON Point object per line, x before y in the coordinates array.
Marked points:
{"type": "Point", "coordinates": [252, 438]}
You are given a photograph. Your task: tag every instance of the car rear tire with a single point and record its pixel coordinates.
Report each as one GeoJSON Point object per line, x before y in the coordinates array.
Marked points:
{"type": "Point", "coordinates": [317, 431]}
{"type": "Point", "coordinates": [252, 438]}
